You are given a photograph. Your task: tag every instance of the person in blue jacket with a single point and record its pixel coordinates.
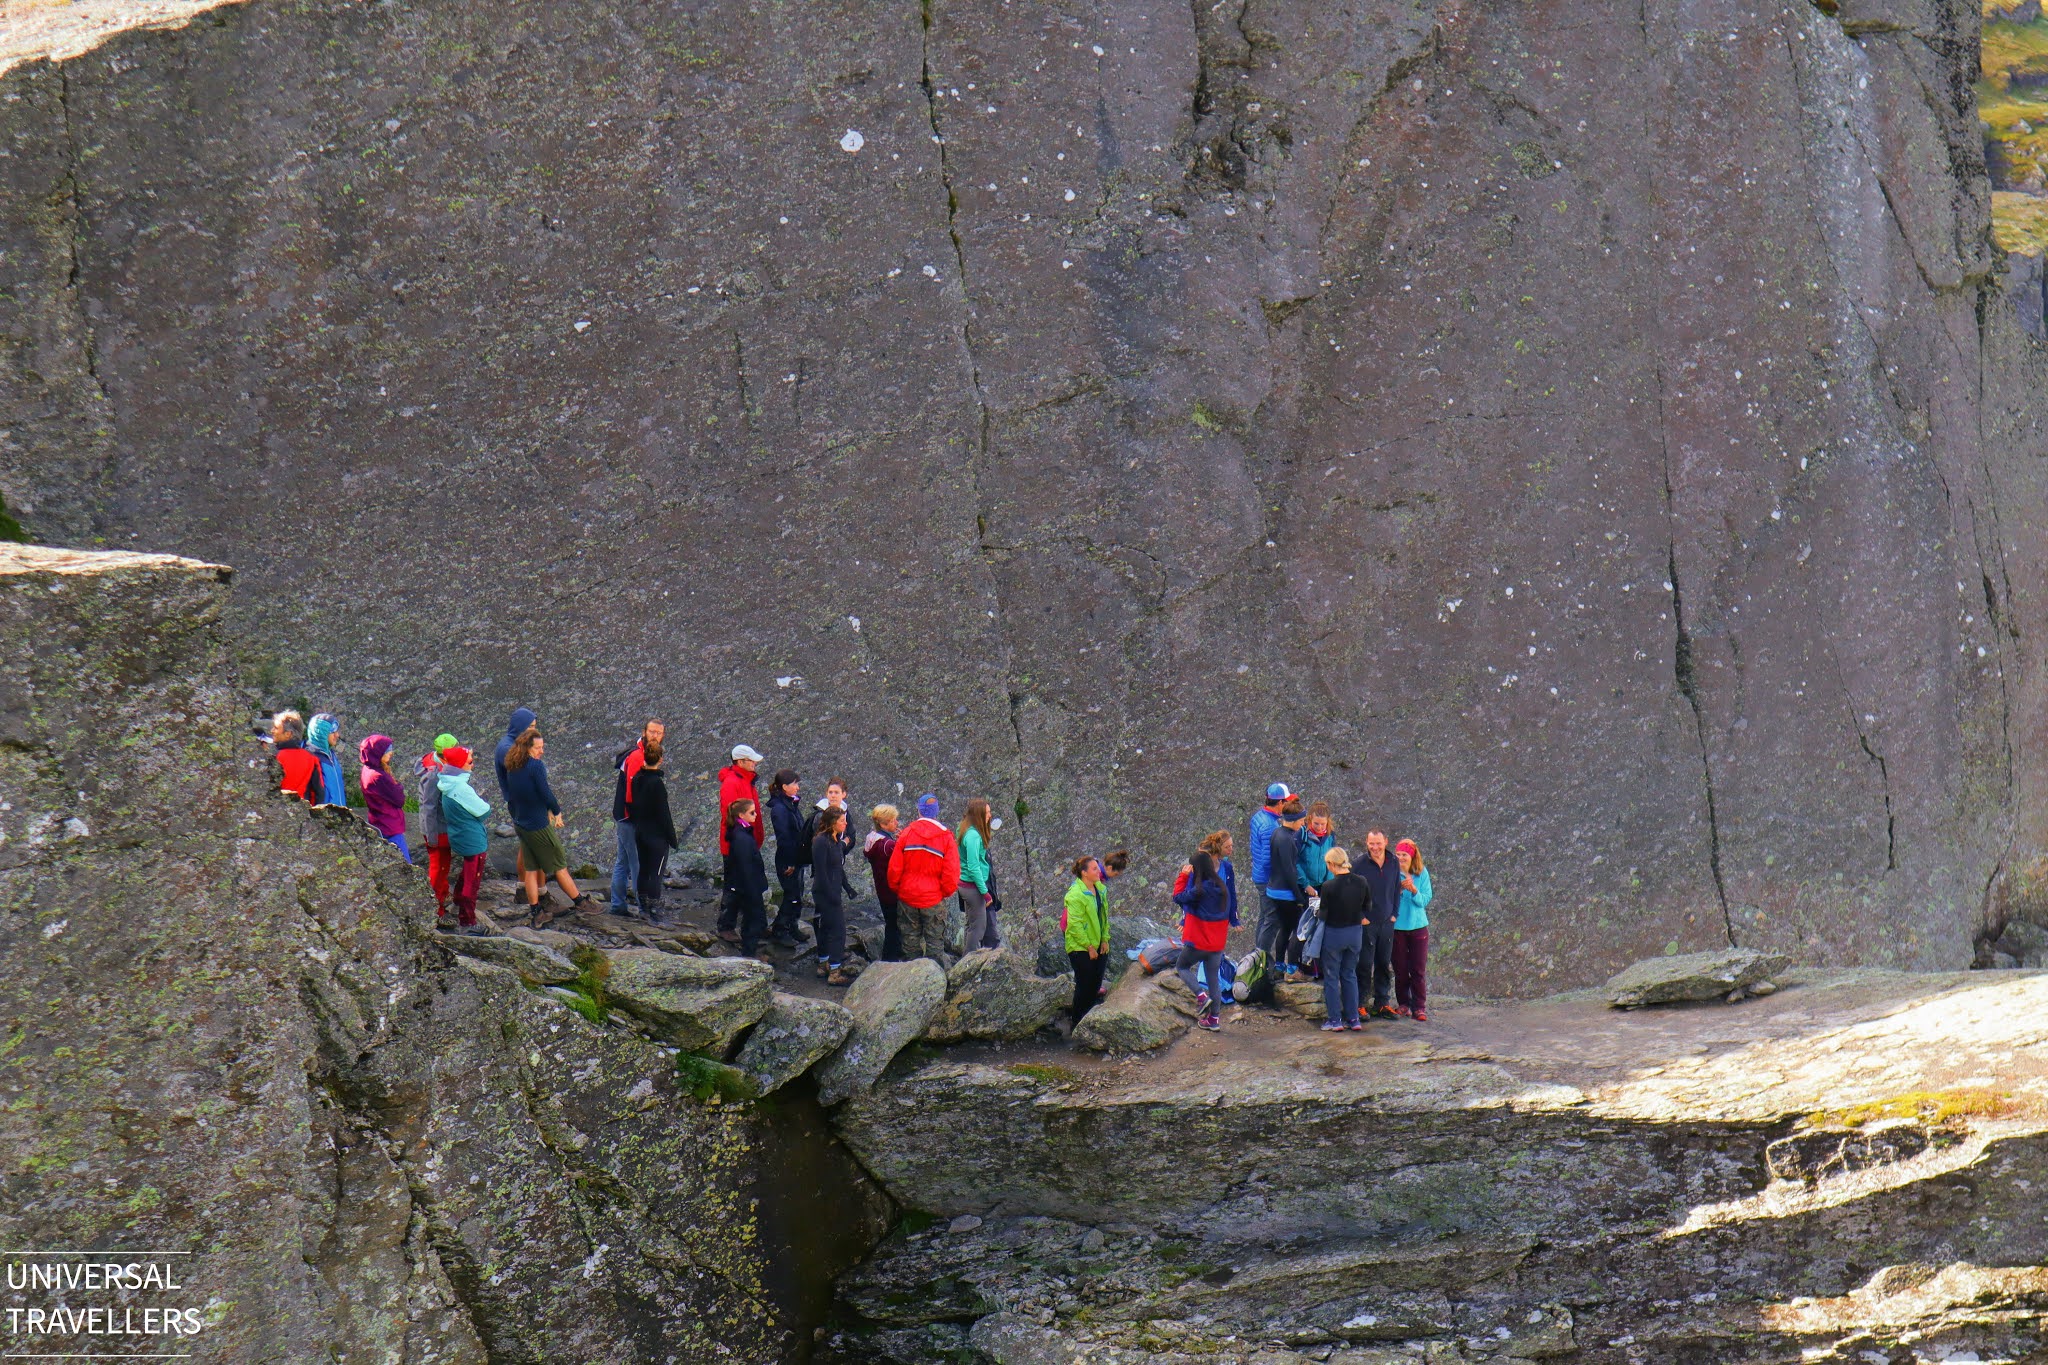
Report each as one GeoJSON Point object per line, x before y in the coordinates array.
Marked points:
{"type": "Point", "coordinates": [1208, 907]}
{"type": "Point", "coordinates": [323, 732]}
{"type": "Point", "coordinates": [537, 816]}
{"type": "Point", "coordinates": [1411, 935]}
{"type": "Point", "coordinates": [1265, 820]}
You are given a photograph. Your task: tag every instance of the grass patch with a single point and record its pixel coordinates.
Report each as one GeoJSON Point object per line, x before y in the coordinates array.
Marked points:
{"type": "Point", "coordinates": [1202, 417]}
{"type": "Point", "coordinates": [1930, 1107]}
{"type": "Point", "coordinates": [579, 1000]}
{"type": "Point", "coordinates": [10, 529]}
{"type": "Point", "coordinates": [713, 1082]}
{"type": "Point", "coordinates": [915, 1220]}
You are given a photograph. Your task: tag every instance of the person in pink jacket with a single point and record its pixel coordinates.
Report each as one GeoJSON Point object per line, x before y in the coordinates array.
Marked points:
{"type": "Point", "coordinates": [383, 793]}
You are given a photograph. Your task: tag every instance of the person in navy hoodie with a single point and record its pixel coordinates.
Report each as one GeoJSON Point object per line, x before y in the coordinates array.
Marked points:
{"type": "Point", "coordinates": [1382, 873]}
{"type": "Point", "coordinates": [523, 719]}
{"type": "Point", "coordinates": [792, 854]}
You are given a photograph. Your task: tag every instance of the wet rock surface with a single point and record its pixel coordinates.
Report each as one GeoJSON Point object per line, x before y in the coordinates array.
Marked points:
{"type": "Point", "coordinates": [1470, 437]}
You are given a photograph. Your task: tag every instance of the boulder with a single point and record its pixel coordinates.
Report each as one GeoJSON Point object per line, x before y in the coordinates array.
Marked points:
{"type": "Point", "coordinates": [794, 1034]}
{"type": "Point", "coordinates": [1692, 976]}
{"type": "Point", "coordinates": [891, 1004]}
{"type": "Point", "coordinates": [536, 964]}
{"type": "Point", "coordinates": [1305, 998]}
{"type": "Point", "coordinates": [695, 1003]}
{"type": "Point", "coordinates": [997, 993]}
{"type": "Point", "coordinates": [1141, 1013]}
{"type": "Point", "coordinates": [565, 944]}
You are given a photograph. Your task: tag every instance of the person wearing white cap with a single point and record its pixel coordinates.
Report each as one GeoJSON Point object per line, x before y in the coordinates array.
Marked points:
{"type": "Point", "coordinates": [735, 783]}
{"type": "Point", "coordinates": [1265, 820]}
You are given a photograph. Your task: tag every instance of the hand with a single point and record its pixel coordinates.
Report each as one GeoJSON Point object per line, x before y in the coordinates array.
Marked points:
{"type": "Point", "coordinates": [789, 872]}
{"type": "Point", "coordinates": [555, 819]}
{"type": "Point", "coordinates": [1407, 882]}
{"type": "Point", "coordinates": [1187, 869]}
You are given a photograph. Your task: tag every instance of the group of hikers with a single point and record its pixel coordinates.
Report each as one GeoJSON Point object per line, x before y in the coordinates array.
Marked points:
{"type": "Point", "coordinates": [1359, 922]}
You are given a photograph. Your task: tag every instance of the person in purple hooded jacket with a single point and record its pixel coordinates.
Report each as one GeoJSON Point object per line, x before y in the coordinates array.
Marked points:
{"type": "Point", "coordinates": [383, 793]}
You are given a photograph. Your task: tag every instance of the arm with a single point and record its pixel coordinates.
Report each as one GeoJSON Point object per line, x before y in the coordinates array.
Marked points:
{"type": "Point", "coordinates": [951, 880]}
{"type": "Point", "coordinates": [547, 793]}
{"type": "Point", "coordinates": [1423, 890]}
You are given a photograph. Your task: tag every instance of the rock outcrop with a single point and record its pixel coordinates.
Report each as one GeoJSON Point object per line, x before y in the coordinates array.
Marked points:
{"type": "Point", "coordinates": [699, 1004]}
{"type": "Point", "coordinates": [795, 1034]}
{"type": "Point", "coordinates": [891, 1004]}
{"type": "Point", "coordinates": [1692, 976]}
{"type": "Point", "coordinates": [997, 993]}
{"type": "Point", "coordinates": [1595, 444]}
{"type": "Point", "coordinates": [1140, 1013]}
{"type": "Point", "coordinates": [1847, 1170]}
{"type": "Point", "coordinates": [226, 1029]}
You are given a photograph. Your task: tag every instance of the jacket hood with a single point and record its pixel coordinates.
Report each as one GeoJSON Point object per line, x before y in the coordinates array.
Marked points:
{"type": "Point", "coordinates": [735, 770]}
{"type": "Point", "coordinates": [318, 731]}
{"type": "Point", "coordinates": [521, 718]}
{"type": "Point", "coordinates": [372, 751]}
{"type": "Point", "coordinates": [453, 777]}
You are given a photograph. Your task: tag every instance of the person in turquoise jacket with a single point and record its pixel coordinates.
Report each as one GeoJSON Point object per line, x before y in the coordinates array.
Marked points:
{"type": "Point", "coordinates": [323, 732]}
{"type": "Point", "coordinates": [462, 814]}
{"type": "Point", "coordinates": [977, 891]}
{"type": "Point", "coordinates": [1411, 935]}
{"type": "Point", "coordinates": [1314, 843]}
{"type": "Point", "coordinates": [1086, 921]}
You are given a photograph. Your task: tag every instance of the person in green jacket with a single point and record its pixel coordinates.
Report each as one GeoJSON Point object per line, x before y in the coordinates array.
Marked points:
{"type": "Point", "coordinates": [462, 815]}
{"type": "Point", "coordinates": [1086, 920]}
{"type": "Point", "coordinates": [977, 889]}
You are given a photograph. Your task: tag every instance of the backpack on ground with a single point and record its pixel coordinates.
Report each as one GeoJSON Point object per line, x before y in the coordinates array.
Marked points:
{"type": "Point", "coordinates": [1254, 983]}
{"type": "Point", "coordinates": [1156, 955]}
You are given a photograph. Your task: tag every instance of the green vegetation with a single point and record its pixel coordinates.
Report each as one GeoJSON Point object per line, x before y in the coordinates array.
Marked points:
{"type": "Point", "coordinates": [2019, 222]}
{"type": "Point", "coordinates": [1931, 1107]}
{"type": "Point", "coordinates": [10, 529]}
{"type": "Point", "coordinates": [713, 1082]}
{"type": "Point", "coordinates": [2012, 100]}
{"type": "Point", "coordinates": [1045, 1073]}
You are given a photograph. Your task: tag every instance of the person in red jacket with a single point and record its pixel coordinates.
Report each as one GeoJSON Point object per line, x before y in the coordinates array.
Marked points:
{"type": "Point", "coordinates": [735, 783]}
{"type": "Point", "coordinates": [924, 872]}
{"type": "Point", "coordinates": [298, 766]}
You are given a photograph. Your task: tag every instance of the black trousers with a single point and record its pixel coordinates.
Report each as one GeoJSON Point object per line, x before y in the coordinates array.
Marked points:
{"type": "Point", "coordinates": [1376, 966]}
{"type": "Point", "coordinates": [1087, 980]}
{"type": "Point", "coordinates": [653, 858]}
{"type": "Point", "coordinates": [753, 920]}
{"type": "Point", "coordinates": [792, 901]}
{"type": "Point", "coordinates": [892, 932]}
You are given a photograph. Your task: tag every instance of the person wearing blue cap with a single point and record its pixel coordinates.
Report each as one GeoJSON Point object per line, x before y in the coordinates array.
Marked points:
{"type": "Point", "coordinates": [1265, 820]}
{"type": "Point", "coordinates": [924, 872]}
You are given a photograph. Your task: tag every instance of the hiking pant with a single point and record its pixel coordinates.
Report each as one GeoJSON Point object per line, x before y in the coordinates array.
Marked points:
{"type": "Point", "coordinates": [1087, 980]}
{"type": "Point", "coordinates": [1340, 973]}
{"type": "Point", "coordinates": [397, 841]}
{"type": "Point", "coordinates": [439, 856]}
{"type": "Point", "coordinates": [472, 878]}
{"type": "Point", "coordinates": [625, 864]}
{"type": "Point", "coordinates": [892, 932]}
{"type": "Point", "coordinates": [981, 921]}
{"type": "Point", "coordinates": [1192, 958]}
{"type": "Point", "coordinates": [649, 857]}
{"type": "Point", "coordinates": [1277, 919]}
{"type": "Point", "coordinates": [728, 911]}
{"type": "Point", "coordinates": [1376, 965]}
{"type": "Point", "coordinates": [792, 902]}
{"type": "Point", "coordinates": [753, 920]}
{"type": "Point", "coordinates": [924, 932]}
{"type": "Point", "coordinates": [831, 924]}
{"type": "Point", "coordinates": [1411, 968]}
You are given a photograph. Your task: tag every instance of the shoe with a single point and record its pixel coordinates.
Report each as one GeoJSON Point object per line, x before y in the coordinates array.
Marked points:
{"type": "Point", "coordinates": [1419, 1017]}
{"type": "Point", "coordinates": [823, 970]}
{"type": "Point", "coordinates": [839, 979]}
{"type": "Point", "coordinates": [1334, 1027]}
{"type": "Point", "coordinates": [477, 930]}
{"type": "Point", "coordinates": [803, 935]}
{"type": "Point", "coordinates": [1212, 1023]}
{"type": "Point", "coordinates": [1356, 1028]}
{"type": "Point", "coordinates": [784, 941]}
{"type": "Point", "coordinates": [1383, 1012]}
{"type": "Point", "coordinates": [1401, 1011]}
{"type": "Point", "coordinates": [1201, 1002]}
{"type": "Point", "coordinates": [763, 955]}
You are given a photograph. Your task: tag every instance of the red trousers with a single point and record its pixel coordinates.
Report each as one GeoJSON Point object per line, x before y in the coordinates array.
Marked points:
{"type": "Point", "coordinates": [438, 857]}
{"type": "Point", "coordinates": [1411, 968]}
{"type": "Point", "coordinates": [466, 889]}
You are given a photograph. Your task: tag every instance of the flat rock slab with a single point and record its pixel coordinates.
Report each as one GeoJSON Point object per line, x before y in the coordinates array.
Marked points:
{"type": "Point", "coordinates": [1305, 998]}
{"type": "Point", "coordinates": [997, 993]}
{"type": "Point", "coordinates": [792, 1036]}
{"type": "Point", "coordinates": [1692, 976]}
{"type": "Point", "coordinates": [891, 1004]}
{"type": "Point", "coordinates": [535, 963]}
{"type": "Point", "coordinates": [1142, 1013]}
{"type": "Point", "coordinates": [695, 1003]}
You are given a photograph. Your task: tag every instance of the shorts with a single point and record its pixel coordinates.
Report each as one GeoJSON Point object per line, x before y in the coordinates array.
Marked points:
{"type": "Point", "coordinates": [545, 852]}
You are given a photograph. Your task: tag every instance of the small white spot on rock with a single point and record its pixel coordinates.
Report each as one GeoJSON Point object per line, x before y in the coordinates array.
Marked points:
{"type": "Point", "coordinates": [583, 324]}
{"type": "Point", "coordinates": [851, 140]}
{"type": "Point", "coordinates": [1070, 196]}
{"type": "Point", "coordinates": [853, 621]}
{"type": "Point", "coordinates": [967, 1222]}
{"type": "Point", "coordinates": [1096, 49]}
{"type": "Point", "coordinates": [52, 930]}
{"type": "Point", "coordinates": [931, 272]}
{"type": "Point", "coordinates": [75, 828]}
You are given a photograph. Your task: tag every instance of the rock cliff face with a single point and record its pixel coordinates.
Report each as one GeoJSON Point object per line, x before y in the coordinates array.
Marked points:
{"type": "Point", "coordinates": [1587, 438]}
{"type": "Point", "coordinates": [1842, 1172]}
{"type": "Point", "coordinates": [224, 1031]}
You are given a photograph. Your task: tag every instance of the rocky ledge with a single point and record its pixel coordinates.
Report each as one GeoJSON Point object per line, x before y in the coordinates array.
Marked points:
{"type": "Point", "coordinates": [1842, 1171]}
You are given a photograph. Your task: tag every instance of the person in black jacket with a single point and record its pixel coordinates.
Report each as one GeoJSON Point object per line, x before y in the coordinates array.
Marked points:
{"type": "Point", "coordinates": [1345, 898]}
{"type": "Point", "coordinates": [654, 828]}
{"type": "Point", "coordinates": [828, 890]}
{"type": "Point", "coordinates": [1284, 888]}
{"type": "Point", "coordinates": [746, 875]}
{"type": "Point", "coordinates": [1382, 873]}
{"type": "Point", "coordinates": [792, 855]}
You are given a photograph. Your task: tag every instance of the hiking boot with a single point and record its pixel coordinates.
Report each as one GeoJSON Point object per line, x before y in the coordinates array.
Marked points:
{"type": "Point", "coordinates": [1334, 1027]}
{"type": "Point", "coordinates": [823, 970]}
{"type": "Point", "coordinates": [1401, 1012]}
{"type": "Point", "coordinates": [1383, 1012]}
{"type": "Point", "coordinates": [785, 941]}
{"type": "Point", "coordinates": [1355, 1026]}
{"type": "Point", "coordinates": [763, 955]}
{"type": "Point", "coordinates": [1201, 1002]}
{"type": "Point", "coordinates": [478, 930]}
{"type": "Point", "coordinates": [1212, 1023]}
{"type": "Point", "coordinates": [728, 936]}
{"type": "Point", "coordinates": [839, 978]}
{"type": "Point", "coordinates": [1419, 1017]}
